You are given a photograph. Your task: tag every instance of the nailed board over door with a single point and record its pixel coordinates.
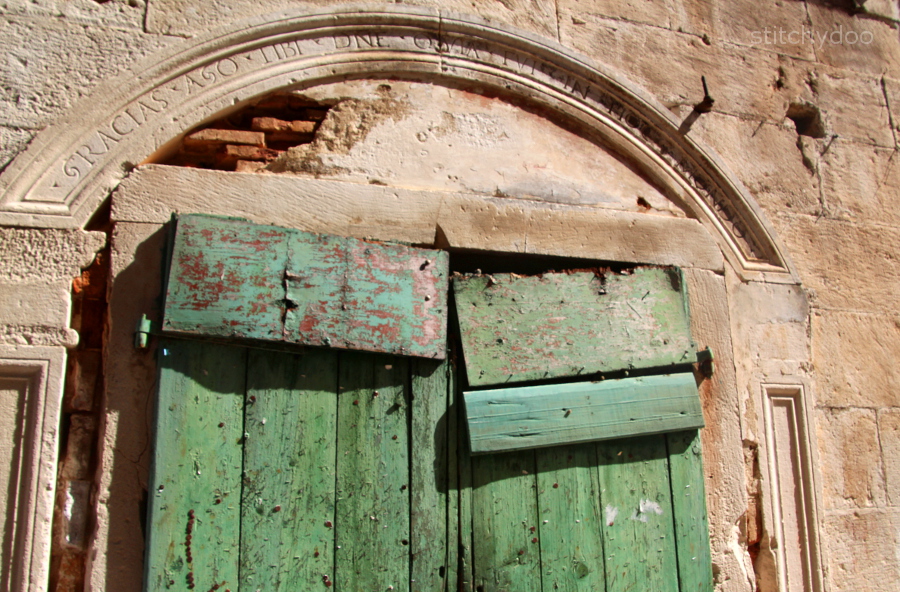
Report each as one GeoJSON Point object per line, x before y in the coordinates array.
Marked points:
{"type": "Point", "coordinates": [517, 329]}
{"type": "Point", "coordinates": [518, 418]}
{"type": "Point", "coordinates": [230, 278]}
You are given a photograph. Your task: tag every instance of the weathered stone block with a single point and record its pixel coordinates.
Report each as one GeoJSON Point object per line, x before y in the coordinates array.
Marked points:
{"type": "Point", "coordinates": [51, 62]}
{"type": "Point", "coordinates": [821, 248]}
{"type": "Point", "coordinates": [860, 182]}
{"type": "Point", "coordinates": [12, 141]}
{"type": "Point", "coordinates": [30, 254]}
{"type": "Point", "coordinates": [855, 356]}
{"type": "Point", "coordinates": [854, 105]}
{"type": "Point", "coordinates": [850, 458]}
{"type": "Point", "coordinates": [659, 14]}
{"type": "Point", "coordinates": [889, 433]}
{"type": "Point", "coordinates": [182, 17]}
{"type": "Point", "coordinates": [635, 50]}
{"type": "Point", "coordinates": [116, 13]}
{"type": "Point", "coordinates": [776, 174]}
{"type": "Point", "coordinates": [861, 548]}
{"type": "Point", "coordinates": [853, 43]}
{"type": "Point", "coordinates": [778, 29]}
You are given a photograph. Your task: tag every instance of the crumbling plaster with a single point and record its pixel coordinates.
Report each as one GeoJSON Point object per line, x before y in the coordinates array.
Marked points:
{"type": "Point", "coordinates": [829, 200]}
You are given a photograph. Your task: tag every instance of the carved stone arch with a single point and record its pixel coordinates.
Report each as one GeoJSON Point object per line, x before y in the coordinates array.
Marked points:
{"type": "Point", "coordinates": [70, 167]}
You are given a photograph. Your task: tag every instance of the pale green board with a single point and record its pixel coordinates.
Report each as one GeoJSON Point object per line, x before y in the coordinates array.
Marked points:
{"type": "Point", "coordinates": [517, 329]}
{"type": "Point", "coordinates": [546, 415]}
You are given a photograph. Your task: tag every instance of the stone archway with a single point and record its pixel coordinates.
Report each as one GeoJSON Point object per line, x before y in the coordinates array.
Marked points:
{"type": "Point", "coordinates": [70, 167]}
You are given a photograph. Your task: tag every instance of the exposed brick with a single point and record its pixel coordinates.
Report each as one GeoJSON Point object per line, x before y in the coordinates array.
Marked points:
{"type": "Point", "coordinates": [289, 137]}
{"type": "Point", "coordinates": [272, 124]}
{"type": "Point", "coordinates": [220, 136]}
{"type": "Point", "coordinates": [85, 367]}
{"type": "Point", "coordinates": [250, 153]}
{"type": "Point", "coordinates": [92, 316]}
{"type": "Point", "coordinates": [70, 573]}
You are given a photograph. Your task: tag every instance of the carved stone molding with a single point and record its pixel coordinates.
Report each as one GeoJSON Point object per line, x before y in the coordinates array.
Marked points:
{"type": "Point", "coordinates": [70, 168]}
{"type": "Point", "coordinates": [31, 387]}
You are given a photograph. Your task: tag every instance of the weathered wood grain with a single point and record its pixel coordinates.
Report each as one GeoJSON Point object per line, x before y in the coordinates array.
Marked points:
{"type": "Point", "coordinates": [518, 329]}
{"type": "Point", "coordinates": [639, 542]}
{"type": "Point", "coordinates": [225, 279]}
{"type": "Point", "coordinates": [459, 531]}
{"type": "Point", "coordinates": [289, 479]}
{"type": "Point", "coordinates": [234, 279]}
{"type": "Point", "coordinates": [429, 478]}
{"type": "Point", "coordinates": [569, 532]}
{"type": "Point", "coordinates": [546, 415]}
{"type": "Point", "coordinates": [373, 501]}
{"type": "Point", "coordinates": [689, 506]}
{"type": "Point", "coordinates": [504, 509]}
{"type": "Point", "coordinates": [195, 481]}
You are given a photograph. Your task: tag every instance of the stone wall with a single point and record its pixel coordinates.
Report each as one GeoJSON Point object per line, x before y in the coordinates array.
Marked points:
{"type": "Point", "coordinates": [806, 116]}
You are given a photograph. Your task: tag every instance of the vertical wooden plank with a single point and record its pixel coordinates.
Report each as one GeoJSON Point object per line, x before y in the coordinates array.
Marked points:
{"type": "Point", "coordinates": [456, 534]}
{"type": "Point", "coordinates": [689, 506]}
{"type": "Point", "coordinates": [195, 481]}
{"type": "Point", "coordinates": [466, 563]}
{"type": "Point", "coordinates": [570, 528]}
{"type": "Point", "coordinates": [289, 455]}
{"type": "Point", "coordinates": [505, 511]}
{"type": "Point", "coordinates": [639, 543]}
{"type": "Point", "coordinates": [428, 476]}
{"type": "Point", "coordinates": [372, 509]}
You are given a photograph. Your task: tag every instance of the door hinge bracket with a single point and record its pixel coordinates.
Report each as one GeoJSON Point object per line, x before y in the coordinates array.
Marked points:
{"type": "Point", "coordinates": [142, 333]}
{"type": "Point", "coordinates": [706, 362]}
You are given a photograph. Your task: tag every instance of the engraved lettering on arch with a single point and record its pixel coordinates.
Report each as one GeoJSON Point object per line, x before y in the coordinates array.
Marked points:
{"type": "Point", "coordinates": [359, 41]}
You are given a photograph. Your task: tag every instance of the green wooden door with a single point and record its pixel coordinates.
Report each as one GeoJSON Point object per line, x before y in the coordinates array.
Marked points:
{"type": "Point", "coordinates": [321, 469]}
{"type": "Point", "coordinates": [298, 471]}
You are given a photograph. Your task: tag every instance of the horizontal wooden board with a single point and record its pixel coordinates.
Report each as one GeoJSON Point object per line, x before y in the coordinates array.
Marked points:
{"type": "Point", "coordinates": [230, 278]}
{"type": "Point", "coordinates": [517, 329]}
{"type": "Point", "coordinates": [547, 415]}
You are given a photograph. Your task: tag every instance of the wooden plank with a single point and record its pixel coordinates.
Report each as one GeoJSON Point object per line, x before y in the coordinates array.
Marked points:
{"type": "Point", "coordinates": [367, 296]}
{"type": "Point", "coordinates": [689, 506]}
{"type": "Point", "coordinates": [537, 416]}
{"type": "Point", "coordinates": [517, 329]}
{"type": "Point", "coordinates": [372, 510]}
{"type": "Point", "coordinates": [504, 507]}
{"type": "Point", "coordinates": [395, 300]}
{"type": "Point", "coordinates": [639, 542]}
{"type": "Point", "coordinates": [195, 481]}
{"type": "Point", "coordinates": [289, 476]}
{"type": "Point", "coordinates": [234, 279]}
{"type": "Point", "coordinates": [429, 479]}
{"type": "Point", "coordinates": [570, 526]}
{"type": "Point", "coordinates": [225, 279]}
{"type": "Point", "coordinates": [459, 532]}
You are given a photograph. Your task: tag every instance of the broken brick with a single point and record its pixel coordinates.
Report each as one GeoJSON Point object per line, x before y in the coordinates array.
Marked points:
{"type": "Point", "coordinates": [250, 153]}
{"type": "Point", "coordinates": [272, 124]}
{"type": "Point", "coordinates": [220, 136]}
{"type": "Point", "coordinates": [249, 166]}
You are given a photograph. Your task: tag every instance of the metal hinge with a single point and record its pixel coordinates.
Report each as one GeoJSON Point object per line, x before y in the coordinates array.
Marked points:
{"type": "Point", "coordinates": [142, 333]}
{"type": "Point", "coordinates": [706, 362]}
